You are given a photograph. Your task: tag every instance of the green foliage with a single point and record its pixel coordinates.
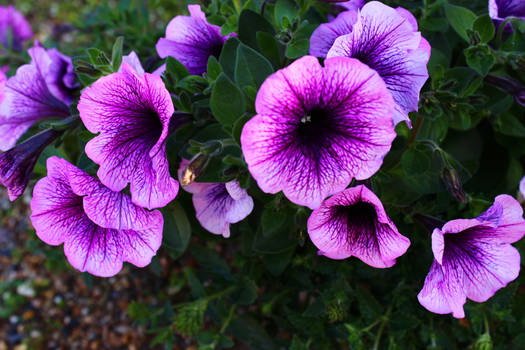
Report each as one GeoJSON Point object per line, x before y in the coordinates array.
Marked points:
{"type": "Point", "coordinates": [265, 286]}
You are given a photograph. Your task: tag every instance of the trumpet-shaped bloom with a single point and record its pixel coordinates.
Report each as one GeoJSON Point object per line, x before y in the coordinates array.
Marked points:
{"type": "Point", "coordinates": [39, 90]}
{"type": "Point", "coordinates": [13, 23]}
{"type": "Point", "coordinates": [16, 165]}
{"type": "Point", "coordinates": [473, 258]}
{"type": "Point", "coordinates": [318, 127]}
{"type": "Point", "coordinates": [499, 10]}
{"type": "Point", "coordinates": [354, 223]}
{"type": "Point", "coordinates": [192, 40]}
{"type": "Point", "coordinates": [100, 228]}
{"type": "Point", "coordinates": [132, 113]}
{"type": "Point", "coordinates": [385, 39]}
{"type": "Point", "coordinates": [217, 205]}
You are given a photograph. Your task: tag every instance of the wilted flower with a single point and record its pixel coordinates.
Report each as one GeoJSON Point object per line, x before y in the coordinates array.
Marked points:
{"type": "Point", "coordinates": [100, 228]}
{"type": "Point", "coordinates": [192, 40]}
{"type": "Point", "coordinates": [217, 205]}
{"type": "Point", "coordinates": [39, 90]}
{"type": "Point", "coordinates": [510, 85]}
{"type": "Point", "coordinates": [499, 10]}
{"type": "Point", "coordinates": [386, 40]}
{"type": "Point", "coordinates": [14, 25]}
{"type": "Point", "coordinates": [16, 165]}
{"type": "Point", "coordinates": [354, 223]}
{"type": "Point", "coordinates": [318, 127]}
{"type": "Point", "coordinates": [133, 113]}
{"type": "Point", "coordinates": [473, 258]}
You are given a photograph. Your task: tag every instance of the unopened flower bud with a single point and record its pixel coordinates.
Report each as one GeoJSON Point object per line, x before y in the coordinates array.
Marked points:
{"type": "Point", "coordinates": [195, 168]}
{"type": "Point", "coordinates": [451, 179]}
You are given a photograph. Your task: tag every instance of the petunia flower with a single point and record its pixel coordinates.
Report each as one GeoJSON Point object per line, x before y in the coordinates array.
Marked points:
{"type": "Point", "coordinates": [354, 223]}
{"type": "Point", "coordinates": [100, 228]}
{"type": "Point", "coordinates": [134, 115]}
{"type": "Point", "coordinates": [13, 23]}
{"type": "Point", "coordinates": [499, 10]}
{"type": "Point", "coordinates": [39, 90]}
{"type": "Point", "coordinates": [192, 40]}
{"type": "Point", "coordinates": [217, 205]}
{"type": "Point", "coordinates": [522, 187]}
{"type": "Point", "coordinates": [473, 258]}
{"type": "Point", "coordinates": [17, 164]}
{"type": "Point", "coordinates": [385, 39]}
{"type": "Point", "coordinates": [318, 127]}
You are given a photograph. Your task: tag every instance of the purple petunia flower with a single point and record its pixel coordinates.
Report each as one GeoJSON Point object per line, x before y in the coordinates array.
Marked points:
{"type": "Point", "coordinates": [522, 187]}
{"type": "Point", "coordinates": [100, 228]}
{"type": "Point", "coordinates": [354, 223]}
{"type": "Point", "coordinates": [13, 23]}
{"type": "Point", "coordinates": [217, 205]}
{"type": "Point", "coordinates": [192, 40]}
{"type": "Point", "coordinates": [499, 10]}
{"type": "Point", "coordinates": [473, 258]}
{"type": "Point", "coordinates": [39, 90]}
{"type": "Point", "coordinates": [385, 39]}
{"type": "Point", "coordinates": [134, 115]}
{"type": "Point", "coordinates": [318, 127]}
{"type": "Point", "coordinates": [17, 164]}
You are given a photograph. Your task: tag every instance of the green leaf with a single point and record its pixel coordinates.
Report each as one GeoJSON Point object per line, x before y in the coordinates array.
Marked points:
{"type": "Point", "coordinates": [248, 331]}
{"type": "Point", "coordinates": [214, 68]}
{"type": "Point", "coordinates": [285, 8]}
{"type": "Point", "coordinates": [227, 101]}
{"type": "Point", "coordinates": [138, 311]}
{"type": "Point", "coordinates": [277, 263]}
{"type": "Point", "coordinates": [460, 19]}
{"type": "Point", "coordinates": [268, 46]}
{"type": "Point", "coordinates": [251, 68]}
{"type": "Point", "coordinates": [485, 28]}
{"type": "Point", "coordinates": [177, 229]}
{"type": "Point", "coordinates": [116, 53]}
{"type": "Point", "coordinates": [211, 262]}
{"type": "Point", "coordinates": [508, 124]}
{"type": "Point", "coordinates": [238, 126]}
{"type": "Point", "coordinates": [298, 48]}
{"type": "Point", "coordinates": [227, 57]}
{"type": "Point", "coordinates": [298, 344]}
{"type": "Point", "coordinates": [272, 220]}
{"type": "Point", "coordinates": [246, 292]}
{"type": "Point", "coordinates": [415, 161]}
{"type": "Point", "coordinates": [176, 69]}
{"type": "Point", "coordinates": [250, 23]}
{"type": "Point", "coordinates": [480, 58]}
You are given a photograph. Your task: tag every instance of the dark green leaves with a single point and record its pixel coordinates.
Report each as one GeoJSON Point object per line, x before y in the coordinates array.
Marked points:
{"type": "Point", "coordinates": [177, 229]}
{"type": "Point", "coordinates": [480, 58]}
{"type": "Point", "coordinates": [460, 19]}
{"type": "Point", "coordinates": [249, 24]}
{"type": "Point", "coordinates": [251, 68]}
{"type": "Point", "coordinates": [227, 101]}
{"type": "Point", "coordinates": [485, 28]}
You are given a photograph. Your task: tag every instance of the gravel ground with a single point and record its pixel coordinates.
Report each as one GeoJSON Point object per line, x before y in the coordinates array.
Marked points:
{"type": "Point", "coordinates": [45, 304]}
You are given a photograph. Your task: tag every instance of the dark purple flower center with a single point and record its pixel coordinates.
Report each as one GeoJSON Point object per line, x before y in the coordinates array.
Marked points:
{"type": "Point", "coordinates": [355, 224]}
{"type": "Point", "coordinates": [507, 8]}
{"type": "Point", "coordinates": [315, 127]}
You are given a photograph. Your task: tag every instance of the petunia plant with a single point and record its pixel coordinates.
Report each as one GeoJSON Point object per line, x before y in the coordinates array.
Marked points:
{"type": "Point", "coordinates": [311, 174]}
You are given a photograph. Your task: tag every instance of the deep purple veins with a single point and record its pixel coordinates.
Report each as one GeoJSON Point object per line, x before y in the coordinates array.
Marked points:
{"type": "Point", "coordinates": [354, 223]}
{"type": "Point", "coordinates": [318, 127]}
{"type": "Point", "coordinates": [499, 10]}
{"type": "Point", "coordinates": [16, 165]}
{"type": "Point", "coordinates": [385, 39]}
{"type": "Point", "coordinates": [192, 40]}
{"type": "Point", "coordinates": [217, 205]}
{"type": "Point", "coordinates": [39, 90]}
{"type": "Point", "coordinates": [100, 228]}
{"type": "Point", "coordinates": [473, 258]}
{"type": "Point", "coordinates": [134, 115]}
{"type": "Point", "coordinates": [14, 28]}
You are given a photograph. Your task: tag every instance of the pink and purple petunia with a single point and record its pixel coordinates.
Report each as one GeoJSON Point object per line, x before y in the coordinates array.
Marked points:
{"type": "Point", "coordinates": [354, 223]}
{"type": "Point", "coordinates": [499, 10]}
{"type": "Point", "coordinates": [14, 27]}
{"type": "Point", "coordinates": [473, 258]}
{"type": "Point", "coordinates": [17, 164]}
{"type": "Point", "coordinates": [385, 39]}
{"type": "Point", "coordinates": [100, 228]}
{"type": "Point", "coordinates": [134, 115]}
{"type": "Point", "coordinates": [217, 205]}
{"type": "Point", "coordinates": [318, 127]}
{"type": "Point", "coordinates": [192, 40]}
{"type": "Point", "coordinates": [41, 89]}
